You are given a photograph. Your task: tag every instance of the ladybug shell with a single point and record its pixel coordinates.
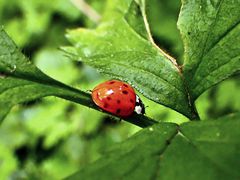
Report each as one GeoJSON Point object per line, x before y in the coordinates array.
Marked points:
{"type": "Point", "coordinates": [116, 97]}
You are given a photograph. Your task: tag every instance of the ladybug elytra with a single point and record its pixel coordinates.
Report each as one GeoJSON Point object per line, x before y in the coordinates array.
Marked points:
{"type": "Point", "coordinates": [118, 98]}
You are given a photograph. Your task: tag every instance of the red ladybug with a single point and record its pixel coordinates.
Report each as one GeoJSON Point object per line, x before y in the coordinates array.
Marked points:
{"type": "Point", "coordinates": [118, 98]}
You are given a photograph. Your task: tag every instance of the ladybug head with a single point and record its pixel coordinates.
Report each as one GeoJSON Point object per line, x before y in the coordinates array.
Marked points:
{"type": "Point", "coordinates": [139, 107]}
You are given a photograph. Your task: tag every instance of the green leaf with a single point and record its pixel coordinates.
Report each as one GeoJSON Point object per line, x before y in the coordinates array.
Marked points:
{"type": "Point", "coordinates": [211, 35]}
{"type": "Point", "coordinates": [121, 47]}
{"type": "Point", "coordinates": [162, 16]}
{"type": "Point", "coordinates": [195, 150]}
{"type": "Point", "coordinates": [21, 81]}
{"type": "Point", "coordinates": [207, 149]}
{"type": "Point", "coordinates": [134, 18]}
{"type": "Point", "coordinates": [218, 141]}
{"type": "Point", "coordinates": [128, 159]}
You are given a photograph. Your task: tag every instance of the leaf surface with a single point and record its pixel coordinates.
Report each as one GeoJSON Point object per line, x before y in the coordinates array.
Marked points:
{"type": "Point", "coordinates": [195, 150]}
{"type": "Point", "coordinates": [121, 47]}
{"type": "Point", "coordinates": [136, 158]}
{"type": "Point", "coordinates": [211, 35]}
{"type": "Point", "coordinates": [21, 81]}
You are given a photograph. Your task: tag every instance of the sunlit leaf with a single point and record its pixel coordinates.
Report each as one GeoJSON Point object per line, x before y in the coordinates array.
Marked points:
{"type": "Point", "coordinates": [195, 150]}
{"type": "Point", "coordinates": [211, 35]}
{"type": "Point", "coordinates": [21, 81]}
{"type": "Point", "coordinates": [136, 158]}
{"type": "Point", "coordinates": [121, 47]}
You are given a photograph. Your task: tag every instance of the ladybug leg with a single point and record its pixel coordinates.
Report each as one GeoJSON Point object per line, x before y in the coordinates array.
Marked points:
{"type": "Point", "coordinates": [90, 91]}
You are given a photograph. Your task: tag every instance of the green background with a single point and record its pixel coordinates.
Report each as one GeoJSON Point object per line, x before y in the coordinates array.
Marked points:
{"type": "Point", "coordinates": [51, 138]}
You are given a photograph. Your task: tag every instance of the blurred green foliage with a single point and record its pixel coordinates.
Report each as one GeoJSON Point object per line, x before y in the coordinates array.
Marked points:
{"type": "Point", "coordinates": [52, 138]}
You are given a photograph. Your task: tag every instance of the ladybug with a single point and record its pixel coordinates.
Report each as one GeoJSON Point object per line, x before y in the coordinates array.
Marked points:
{"type": "Point", "coordinates": [118, 98]}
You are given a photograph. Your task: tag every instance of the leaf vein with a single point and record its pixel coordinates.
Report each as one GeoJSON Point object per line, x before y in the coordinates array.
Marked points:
{"type": "Point", "coordinates": [146, 71]}
{"type": "Point", "coordinates": [208, 35]}
{"type": "Point", "coordinates": [204, 77]}
{"type": "Point", "coordinates": [218, 41]}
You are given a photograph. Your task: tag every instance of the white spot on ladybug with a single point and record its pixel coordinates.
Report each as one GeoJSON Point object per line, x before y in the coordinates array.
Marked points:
{"type": "Point", "coordinates": [110, 91]}
{"type": "Point", "coordinates": [139, 107]}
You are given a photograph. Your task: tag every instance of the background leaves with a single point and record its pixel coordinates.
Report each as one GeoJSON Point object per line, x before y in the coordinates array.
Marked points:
{"type": "Point", "coordinates": [52, 138]}
{"type": "Point", "coordinates": [19, 76]}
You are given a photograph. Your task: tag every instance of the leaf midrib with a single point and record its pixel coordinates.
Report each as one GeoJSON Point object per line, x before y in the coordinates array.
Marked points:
{"type": "Point", "coordinates": [151, 40]}
{"type": "Point", "coordinates": [209, 51]}
{"type": "Point", "coordinates": [214, 70]}
{"type": "Point", "coordinates": [137, 68]}
{"type": "Point", "coordinates": [155, 176]}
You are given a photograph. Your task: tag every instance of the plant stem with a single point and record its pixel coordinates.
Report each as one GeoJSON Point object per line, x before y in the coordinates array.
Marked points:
{"type": "Point", "coordinates": [86, 100]}
{"type": "Point", "coordinates": [195, 115]}
{"type": "Point", "coordinates": [141, 120]}
{"type": "Point", "coordinates": [87, 10]}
